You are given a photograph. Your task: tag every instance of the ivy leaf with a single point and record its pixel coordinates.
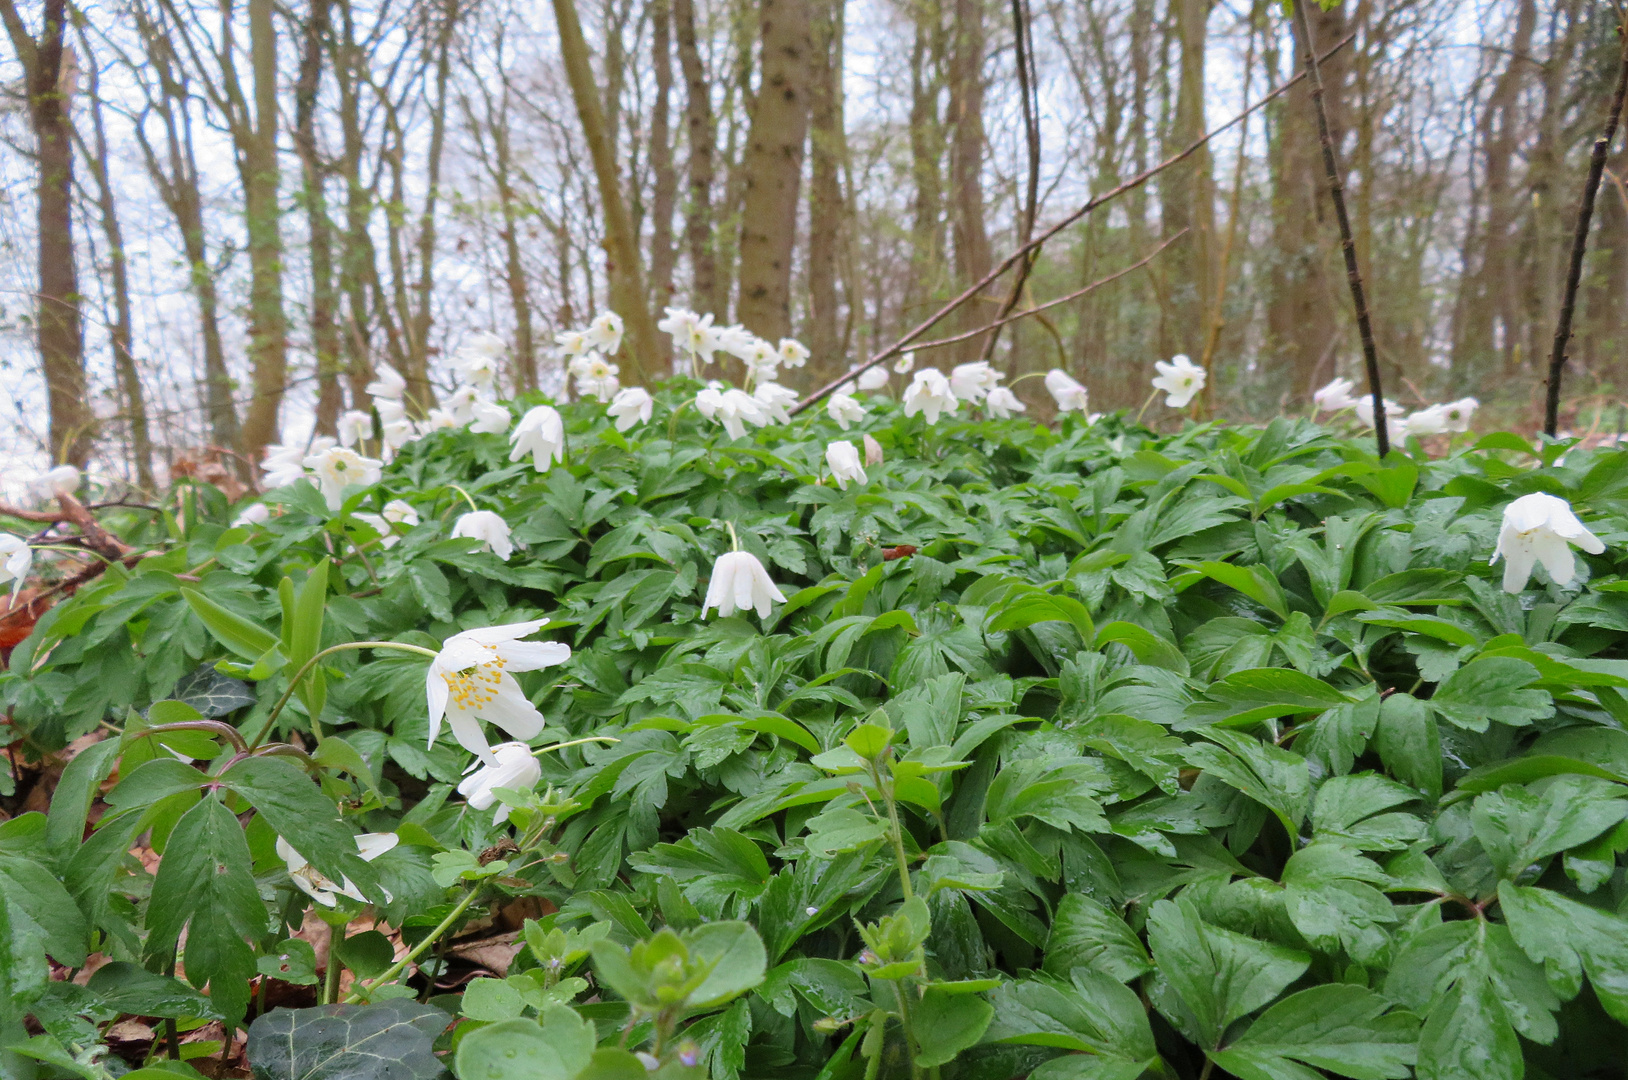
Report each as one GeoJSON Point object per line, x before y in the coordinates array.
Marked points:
{"type": "Point", "coordinates": [1339, 1027]}
{"type": "Point", "coordinates": [212, 693]}
{"type": "Point", "coordinates": [392, 1040]}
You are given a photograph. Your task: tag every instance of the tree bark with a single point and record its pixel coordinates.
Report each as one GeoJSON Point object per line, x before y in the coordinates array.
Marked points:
{"type": "Point", "coordinates": [972, 258]}
{"type": "Point", "coordinates": [423, 316]}
{"type": "Point", "coordinates": [1188, 200]}
{"type": "Point", "coordinates": [827, 213]}
{"type": "Point", "coordinates": [926, 157]}
{"type": "Point", "coordinates": [626, 277]}
{"type": "Point", "coordinates": [701, 135]}
{"type": "Point", "coordinates": [49, 86]}
{"type": "Point", "coordinates": [773, 168]}
{"type": "Point", "coordinates": [665, 195]}
{"type": "Point", "coordinates": [257, 157]}
{"type": "Point", "coordinates": [325, 342]}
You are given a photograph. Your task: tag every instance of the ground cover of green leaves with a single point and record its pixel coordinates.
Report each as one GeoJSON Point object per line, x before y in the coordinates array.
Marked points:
{"type": "Point", "coordinates": [1220, 753]}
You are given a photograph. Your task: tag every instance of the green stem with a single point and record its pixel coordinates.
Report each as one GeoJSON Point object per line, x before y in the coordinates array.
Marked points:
{"type": "Point", "coordinates": [1146, 403]}
{"type": "Point", "coordinates": [418, 950]}
{"type": "Point", "coordinates": [896, 832]}
{"type": "Point", "coordinates": [465, 494]}
{"type": "Point", "coordinates": [541, 750]}
{"type": "Point", "coordinates": [330, 979]}
{"type": "Point", "coordinates": [910, 1045]}
{"type": "Point", "coordinates": [305, 669]}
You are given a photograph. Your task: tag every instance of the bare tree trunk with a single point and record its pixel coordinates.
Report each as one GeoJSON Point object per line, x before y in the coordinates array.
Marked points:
{"type": "Point", "coordinates": [325, 341]}
{"type": "Point", "coordinates": [120, 333]}
{"type": "Point", "coordinates": [665, 196]}
{"type": "Point", "coordinates": [257, 153]}
{"type": "Point", "coordinates": [926, 156]}
{"type": "Point", "coordinates": [701, 135]}
{"type": "Point", "coordinates": [48, 78]}
{"type": "Point", "coordinates": [1189, 193]}
{"type": "Point", "coordinates": [626, 277]}
{"type": "Point", "coordinates": [418, 357]}
{"type": "Point", "coordinates": [972, 258]}
{"type": "Point", "coordinates": [773, 169]}
{"type": "Point", "coordinates": [827, 214]}
{"type": "Point", "coordinates": [525, 345]}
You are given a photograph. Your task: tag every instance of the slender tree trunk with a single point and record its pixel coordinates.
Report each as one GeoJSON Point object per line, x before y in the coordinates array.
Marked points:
{"type": "Point", "coordinates": [48, 81]}
{"type": "Point", "coordinates": [665, 196]}
{"type": "Point", "coordinates": [827, 216]}
{"type": "Point", "coordinates": [325, 342]}
{"type": "Point", "coordinates": [525, 346]}
{"type": "Point", "coordinates": [701, 136]}
{"type": "Point", "coordinates": [121, 332]}
{"type": "Point", "coordinates": [626, 277]}
{"type": "Point", "coordinates": [972, 258]}
{"type": "Point", "coordinates": [261, 182]}
{"type": "Point", "coordinates": [418, 362]}
{"type": "Point", "coordinates": [773, 168]}
{"type": "Point", "coordinates": [926, 157]}
{"type": "Point", "coordinates": [1189, 189]}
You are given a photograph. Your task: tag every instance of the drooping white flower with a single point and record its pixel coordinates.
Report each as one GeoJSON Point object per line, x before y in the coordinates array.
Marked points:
{"type": "Point", "coordinates": [598, 379]}
{"type": "Point", "coordinates": [763, 360]}
{"type": "Point", "coordinates": [1540, 528]}
{"type": "Point", "coordinates": [605, 333]}
{"type": "Point", "coordinates": [338, 467]}
{"type": "Point", "coordinates": [1365, 409]}
{"type": "Point", "coordinates": [540, 433]}
{"type": "Point", "coordinates": [904, 363]}
{"type": "Point", "coordinates": [1456, 415]}
{"type": "Point", "coordinates": [793, 353]}
{"type": "Point", "coordinates": [398, 433]}
{"type": "Point", "coordinates": [19, 557]}
{"type": "Point", "coordinates": [489, 528]}
{"type": "Point", "coordinates": [353, 426]}
{"type": "Point", "coordinates": [282, 465]}
{"type": "Point", "coordinates": [1002, 403]}
{"type": "Point", "coordinates": [973, 382]}
{"type": "Point", "coordinates": [573, 342]}
{"type": "Point", "coordinates": [737, 341]}
{"type": "Point", "coordinates": [844, 409]}
{"type": "Point", "coordinates": [316, 885]}
{"type": "Point", "coordinates": [775, 399]}
{"type": "Point", "coordinates": [253, 514]}
{"type": "Point", "coordinates": [460, 404]}
{"type": "Point", "coordinates": [873, 379]}
{"type": "Point", "coordinates": [388, 384]}
{"type": "Point", "coordinates": [734, 409]}
{"type": "Point", "coordinates": [471, 680]}
{"type": "Point", "coordinates": [490, 418]}
{"type": "Point", "coordinates": [631, 406]}
{"type": "Point", "coordinates": [402, 512]}
{"type": "Point", "coordinates": [739, 583]}
{"type": "Point", "coordinates": [1180, 379]}
{"type": "Point", "coordinates": [843, 457]}
{"type": "Point", "coordinates": [1335, 396]}
{"type": "Point", "coordinates": [390, 412]}
{"type": "Point", "coordinates": [1431, 420]}
{"type": "Point", "coordinates": [929, 393]}
{"type": "Point", "coordinates": [516, 768]}
{"type": "Point", "coordinates": [62, 480]}
{"type": "Point", "coordinates": [437, 420]}
{"type": "Point", "coordinates": [1069, 393]}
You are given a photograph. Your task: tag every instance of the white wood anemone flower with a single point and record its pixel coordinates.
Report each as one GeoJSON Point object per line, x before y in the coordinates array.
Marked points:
{"type": "Point", "coordinates": [516, 768]}
{"type": "Point", "coordinates": [1180, 379]}
{"type": "Point", "coordinates": [1067, 391]}
{"type": "Point", "coordinates": [313, 883]}
{"type": "Point", "coordinates": [843, 457]}
{"type": "Point", "coordinates": [540, 433]}
{"type": "Point", "coordinates": [872, 379]}
{"type": "Point", "coordinates": [740, 583]}
{"type": "Point", "coordinates": [605, 333]}
{"type": "Point", "coordinates": [1002, 403]}
{"type": "Point", "coordinates": [793, 353]}
{"type": "Point", "coordinates": [1540, 528]}
{"type": "Point", "coordinates": [776, 401]}
{"type": "Point", "coordinates": [844, 409]}
{"type": "Point", "coordinates": [487, 527]}
{"type": "Point", "coordinates": [353, 426]}
{"type": "Point", "coordinates": [1335, 396]}
{"type": "Point", "coordinates": [489, 418]}
{"type": "Point", "coordinates": [1365, 410]}
{"type": "Point", "coordinates": [732, 408]}
{"type": "Point", "coordinates": [337, 468]}
{"type": "Point", "coordinates": [389, 385]}
{"type": "Point", "coordinates": [929, 393]}
{"type": "Point", "coordinates": [973, 382]}
{"type": "Point", "coordinates": [631, 406]}
{"type": "Point", "coordinates": [470, 681]}
{"type": "Point", "coordinates": [19, 557]}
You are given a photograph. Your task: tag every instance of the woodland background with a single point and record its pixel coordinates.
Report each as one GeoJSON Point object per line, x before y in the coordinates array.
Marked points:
{"type": "Point", "coordinates": [257, 205]}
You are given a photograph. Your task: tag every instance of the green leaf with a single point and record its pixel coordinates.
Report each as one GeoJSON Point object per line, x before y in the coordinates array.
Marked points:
{"type": "Point", "coordinates": [1030, 608]}
{"type": "Point", "coordinates": [70, 803]}
{"type": "Point", "coordinates": [1342, 1028]}
{"type": "Point", "coordinates": [1147, 647]}
{"type": "Point", "coordinates": [1246, 697]}
{"type": "Point", "coordinates": [249, 640]}
{"type": "Point", "coordinates": [1409, 743]}
{"type": "Point", "coordinates": [128, 988]}
{"type": "Point", "coordinates": [1208, 977]}
{"type": "Point", "coordinates": [369, 953]}
{"type": "Point", "coordinates": [738, 961]}
{"type": "Point", "coordinates": [1276, 778]}
{"type": "Point", "coordinates": [211, 693]}
{"type": "Point", "coordinates": [1519, 826]}
{"type": "Point", "coordinates": [1492, 689]}
{"type": "Point", "coordinates": [1084, 934]}
{"type": "Point", "coordinates": [1569, 938]}
{"type": "Point", "coordinates": [946, 1024]}
{"type": "Point", "coordinates": [558, 1048]}
{"type": "Point", "coordinates": [844, 829]}
{"type": "Point", "coordinates": [1255, 582]}
{"type": "Point", "coordinates": [391, 1040]}
{"type": "Point", "coordinates": [293, 961]}
{"type": "Point", "coordinates": [35, 890]}
{"type": "Point", "coordinates": [1088, 1012]}
{"type": "Point", "coordinates": [296, 810]}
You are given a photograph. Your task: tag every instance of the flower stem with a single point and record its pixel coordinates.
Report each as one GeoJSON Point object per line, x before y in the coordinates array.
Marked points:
{"type": "Point", "coordinates": [276, 710]}
{"type": "Point", "coordinates": [465, 494]}
{"type": "Point", "coordinates": [330, 978]}
{"type": "Point", "coordinates": [734, 540]}
{"type": "Point", "coordinates": [540, 751]}
{"type": "Point", "coordinates": [417, 950]}
{"type": "Point", "coordinates": [1146, 403]}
